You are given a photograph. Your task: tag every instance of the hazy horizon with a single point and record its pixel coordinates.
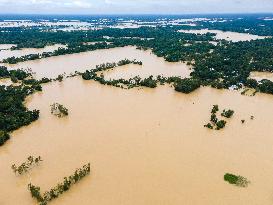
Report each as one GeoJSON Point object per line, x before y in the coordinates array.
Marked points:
{"type": "Point", "coordinates": [137, 7]}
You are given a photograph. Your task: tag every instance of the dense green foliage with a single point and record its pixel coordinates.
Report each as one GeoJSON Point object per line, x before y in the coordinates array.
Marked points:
{"type": "Point", "coordinates": [4, 136]}
{"type": "Point", "coordinates": [13, 113]}
{"type": "Point", "coordinates": [230, 64]}
{"type": "Point", "coordinates": [187, 85]}
{"type": "Point", "coordinates": [220, 124]}
{"type": "Point", "coordinates": [24, 167]}
{"type": "Point", "coordinates": [236, 180]}
{"type": "Point", "coordinates": [55, 192]}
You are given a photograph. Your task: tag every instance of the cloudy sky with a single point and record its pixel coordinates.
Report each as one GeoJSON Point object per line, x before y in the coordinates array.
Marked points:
{"type": "Point", "coordinates": [134, 6]}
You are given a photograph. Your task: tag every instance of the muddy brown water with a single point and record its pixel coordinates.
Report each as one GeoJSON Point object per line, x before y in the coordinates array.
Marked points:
{"type": "Point", "coordinates": [25, 51]}
{"type": "Point", "coordinates": [261, 76]}
{"type": "Point", "coordinates": [145, 146]}
{"type": "Point", "coordinates": [152, 65]}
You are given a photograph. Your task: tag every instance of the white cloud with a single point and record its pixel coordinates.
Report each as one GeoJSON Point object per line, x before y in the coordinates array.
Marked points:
{"type": "Point", "coordinates": [135, 6]}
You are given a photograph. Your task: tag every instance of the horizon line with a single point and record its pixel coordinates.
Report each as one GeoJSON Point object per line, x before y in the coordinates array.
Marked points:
{"type": "Point", "coordinates": [135, 14]}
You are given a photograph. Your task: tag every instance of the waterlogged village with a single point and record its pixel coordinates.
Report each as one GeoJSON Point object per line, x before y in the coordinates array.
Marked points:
{"type": "Point", "coordinates": [136, 110]}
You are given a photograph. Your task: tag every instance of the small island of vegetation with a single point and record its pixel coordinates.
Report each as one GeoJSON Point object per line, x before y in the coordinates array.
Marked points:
{"type": "Point", "coordinates": [24, 167]}
{"type": "Point", "coordinates": [236, 180]}
{"type": "Point", "coordinates": [215, 123]}
{"type": "Point", "coordinates": [46, 197]}
{"type": "Point", "coordinates": [58, 110]}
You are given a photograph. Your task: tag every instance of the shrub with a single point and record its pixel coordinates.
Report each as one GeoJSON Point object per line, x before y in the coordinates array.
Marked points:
{"type": "Point", "coordinates": [236, 180]}
{"type": "Point", "coordinates": [220, 124]}
{"type": "Point", "coordinates": [24, 167]}
{"type": "Point", "coordinates": [209, 126]}
{"type": "Point", "coordinates": [58, 110]}
{"type": "Point", "coordinates": [215, 109]}
{"type": "Point", "coordinates": [227, 113]}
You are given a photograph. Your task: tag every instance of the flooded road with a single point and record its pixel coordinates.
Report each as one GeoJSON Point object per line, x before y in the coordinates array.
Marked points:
{"type": "Point", "coordinates": [145, 146]}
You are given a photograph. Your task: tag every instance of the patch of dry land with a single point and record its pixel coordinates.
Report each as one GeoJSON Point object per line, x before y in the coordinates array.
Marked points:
{"type": "Point", "coordinates": [146, 146]}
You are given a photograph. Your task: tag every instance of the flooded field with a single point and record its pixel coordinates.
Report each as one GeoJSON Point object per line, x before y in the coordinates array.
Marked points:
{"type": "Point", "coordinates": [5, 81]}
{"type": "Point", "coordinates": [6, 46]}
{"type": "Point", "coordinates": [26, 51]}
{"type": "Point", "coordinates": [261, 75]}
{"type": "Point", "coordinates": [145, 146]}
{"type": "Point", "coordinates": [152, 65]}
{"type": "Point", "coordinates": [230, 36]}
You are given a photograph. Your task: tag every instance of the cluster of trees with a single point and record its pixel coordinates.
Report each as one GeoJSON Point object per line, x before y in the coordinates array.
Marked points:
{"type": "Point", "coordinates": [107, 66]}
{"type": "Point", "coordinates": [266, 86]}
{"type": "Point", "coordinates": [230, 65]}
{"type": "Point", "coordinates": [24, 167]}
{"type": "Point", "coordinates": [168, 43]}
{"type": "Point", "coordinates": [236, 180]}
{"type": "Point", "coordinates": [13, 113]}
{"type": "Point", "coordinates": [227, 113]}
{"type": "Point", "coordinates": [58, 110]}
{"type": "Point", "coordinates": [44, 198]}
{"type": "Point", "coordinates": [15, 75]}
{"type": "Point", "coordinates": [215, 123]}
{"type": "Point", "coordinates": [187, 85]}
{"type": "Point", "coordinates": [121, 83]}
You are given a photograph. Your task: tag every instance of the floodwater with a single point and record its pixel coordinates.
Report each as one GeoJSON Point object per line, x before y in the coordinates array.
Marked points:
{"type": "Point", "coordinates": [5, 81]}
{"type": "Point", "coordinates": [145, 146]}
{"type": "Point", "coordinates": [152, 65]}
{"type": "Point", "coordinates": [6, 46]}
{"type": "Point", "coordinates": [26, 51]}
{"type": "Point", "coordinates": [261, 75]}
{"type": "Point", "coordinates": [229, 36]}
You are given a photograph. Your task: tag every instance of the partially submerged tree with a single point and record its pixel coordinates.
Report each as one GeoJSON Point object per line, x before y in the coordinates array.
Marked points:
{"type": "Point", "coordinates": [58, 110]}
{"type": "Point", "coordinates": [236, 180]}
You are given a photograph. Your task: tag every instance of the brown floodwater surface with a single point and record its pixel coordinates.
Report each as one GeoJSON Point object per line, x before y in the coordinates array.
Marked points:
{"type": "Point", "coordinates": [261, 76]}
{"type": "Point", "coordinates": [26, 51]}
{"type": "Point", "coordinates": [152, 65]}
{"type": "Point", "coordinates": [145, 146]}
